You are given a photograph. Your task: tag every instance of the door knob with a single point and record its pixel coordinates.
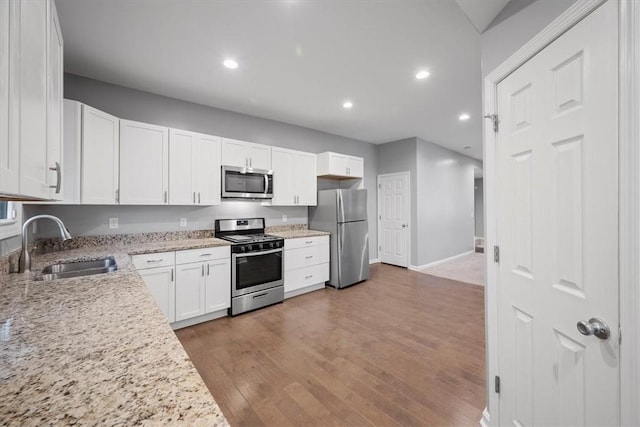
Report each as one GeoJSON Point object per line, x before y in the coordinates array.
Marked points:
{"type": "Point", "coordinates": [595, 327]}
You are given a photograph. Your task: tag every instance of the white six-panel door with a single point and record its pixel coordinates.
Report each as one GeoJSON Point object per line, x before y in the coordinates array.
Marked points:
{"type": "Point", "coordinates": [393, 218]}
{"type": "Point", "coordinates": [558, 230]}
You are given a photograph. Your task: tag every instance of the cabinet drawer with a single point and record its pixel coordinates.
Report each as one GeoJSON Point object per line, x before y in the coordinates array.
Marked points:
{"type": "Point", "coordinates": [162, 259]}
{"type": "Point", "coordinates": [305, 242]}
{"type": "Point", "coordinates": [204, 254]}
{"type": "Point", "coordinates": [305, 257]}
{"type": "Point", "coordinates": [307, 276]}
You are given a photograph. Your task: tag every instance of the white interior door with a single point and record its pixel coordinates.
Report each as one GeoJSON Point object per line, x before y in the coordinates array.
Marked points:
{"type": "Point", "coordinates": [393, 218]}
{"type": "Point", "coordinates": [558, 230]}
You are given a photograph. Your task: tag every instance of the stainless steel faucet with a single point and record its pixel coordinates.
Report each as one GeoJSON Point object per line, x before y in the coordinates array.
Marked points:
{"type": "Point", "coordinates": [25, 258]}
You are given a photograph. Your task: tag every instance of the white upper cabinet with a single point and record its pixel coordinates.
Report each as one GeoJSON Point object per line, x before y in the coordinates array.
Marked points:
{"type": "Point", "coordinates": [54, 106]}
{"type": "Point", "coordinates": [294, 177]}
{"type": "Point", "coordinates": [306, 180]}
{"type": "Point", "coordinates": [100, 157]}
{"type": "Point", "coordinates": [9, 141]}
{"type": "Point", "coordinates": [194, 168]}
{"type": "Point", "coordinates": [207, 165]}
{"type": "Point", "coordinates": [91, 139]}
{"type": "Point", "coordinates": [340, 166]}
{"type": "Point", "coordinates": [144, 164]}
{"type": "Point", "coordinates": [245, 154]}
{"type": "Point", "coordinates": [31, 52]}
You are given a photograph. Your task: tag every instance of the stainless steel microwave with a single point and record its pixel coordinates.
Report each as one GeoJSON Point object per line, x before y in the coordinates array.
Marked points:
{"type": "Point", "coordinates": [246, 183]}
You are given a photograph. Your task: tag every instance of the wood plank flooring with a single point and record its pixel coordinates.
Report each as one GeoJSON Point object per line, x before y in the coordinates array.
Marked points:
{"type": "Point", "coordinates": [402, 349]}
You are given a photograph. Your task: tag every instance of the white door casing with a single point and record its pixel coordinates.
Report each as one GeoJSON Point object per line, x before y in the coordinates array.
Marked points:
{"type": "Point", "coordinates": [393, 218]}
{"type": "Point", "coordinates": [557, 228]}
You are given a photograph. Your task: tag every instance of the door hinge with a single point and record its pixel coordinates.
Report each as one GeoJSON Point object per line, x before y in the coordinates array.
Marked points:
{"type": "Point", "coordinates": [496, 254]}
{"type": "Point", "coordinates": [496, 121]}
{"type": "Point", "coordinates": [497, 384]}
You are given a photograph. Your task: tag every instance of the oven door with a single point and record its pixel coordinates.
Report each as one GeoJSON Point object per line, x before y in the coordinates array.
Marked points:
{"type": "Point", "coordinates": [246, 183]}
{"type": "Point", "coordinates": [256, 271]}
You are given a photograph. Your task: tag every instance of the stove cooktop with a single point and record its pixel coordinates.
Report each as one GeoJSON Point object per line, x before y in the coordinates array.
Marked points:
{"type": "Point", "coordinates": [250, 238]}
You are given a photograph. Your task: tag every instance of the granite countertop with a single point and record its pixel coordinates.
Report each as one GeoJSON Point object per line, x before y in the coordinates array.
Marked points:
{"type": "Point", "coordinates": [96, 349]}
{"type": "Point", "coordinates": [295, 234]}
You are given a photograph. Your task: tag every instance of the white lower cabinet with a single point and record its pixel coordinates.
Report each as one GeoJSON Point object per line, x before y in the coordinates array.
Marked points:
{"type": "Point", "coordinates": [158, 272]}
{"type": "Point", "coordinates": [190, 287]}
{"type": "Point", "coordinates": [162, 285]}
{"type": "Point", "coordinates": [306, 264]}
{"type": "Point", "coordinates": [201, 284]}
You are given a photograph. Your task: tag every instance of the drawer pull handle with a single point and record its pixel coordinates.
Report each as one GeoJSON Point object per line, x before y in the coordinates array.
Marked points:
{"type": "Point", "coordinates": [206, 254]}
{"type": "Point", "coordinates": [260, 295]}
{"type": "Point", "coordinates": [309, 276]}
{"type": "Point", "coordinates": [308, 242]}
{"type": "Point", "coordinates": [308, 257]}
{"type": "Point", "coordinates": [155, 260]}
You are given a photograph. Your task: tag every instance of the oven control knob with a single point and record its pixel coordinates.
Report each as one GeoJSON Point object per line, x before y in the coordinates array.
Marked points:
{"type": "Point", "coordinates": [242, 248]}
{"type": "Point", "coordinates": [261, 246]}
{"type": "Point", "coordinates": [272, 245]}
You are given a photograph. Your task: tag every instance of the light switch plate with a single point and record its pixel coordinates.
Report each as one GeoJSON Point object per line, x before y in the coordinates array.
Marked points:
{"type": "Point", "coordinates": [284, 218]}
{"type": "Point", "coordinates": [183, 222]}
{"type": "Point", "coordinates": [113, 223]}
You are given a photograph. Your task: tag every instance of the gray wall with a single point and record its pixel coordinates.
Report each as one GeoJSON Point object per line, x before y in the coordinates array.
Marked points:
{"type": "Point", "coordinates": [514, 27]}
{"type": "Point", "coordinates": [146, 107]}
{"type": "Point", "coordinates": [442, 199]}
{"type": "Point", "coordinates": [479, 207]}
{"type": "Point", "coordinates": [400, 156]}
{"type": "Point", "coordinates": [445, 202]}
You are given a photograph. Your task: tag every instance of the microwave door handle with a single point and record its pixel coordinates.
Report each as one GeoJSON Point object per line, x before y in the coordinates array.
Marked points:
{"type": "Point", "coordinates": [266, 183]}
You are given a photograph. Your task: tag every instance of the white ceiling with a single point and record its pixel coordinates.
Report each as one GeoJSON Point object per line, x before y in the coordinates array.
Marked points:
{"type": "Point", "coordinates": [299, 60]}
{"type": "Point", "coordinates": [481, 12]}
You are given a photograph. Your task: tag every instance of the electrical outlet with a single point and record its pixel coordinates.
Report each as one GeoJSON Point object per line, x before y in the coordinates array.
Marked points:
{"type": "Point", "coordinates": [284, 218]}
{"type": "Point", "coordinates": [113, 223]}
{"type": "Point", "coordinates": [183, 222]}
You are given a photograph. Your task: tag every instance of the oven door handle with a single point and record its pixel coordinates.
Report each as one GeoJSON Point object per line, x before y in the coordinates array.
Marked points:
{"type": "Point", "coordinates": [273, 251]}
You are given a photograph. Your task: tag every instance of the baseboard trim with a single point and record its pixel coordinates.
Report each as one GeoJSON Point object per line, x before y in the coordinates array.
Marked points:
{"type": "Point", "coordinates": [442, 261]}
{"type": "Point", "coordinates": [304, 290]}
{"type": "Point", "coordinates": [374, 261]}
{"type": "Point", "coordinates": [195, 320]}
{"type": "Point", "coordinates": [485, 421]}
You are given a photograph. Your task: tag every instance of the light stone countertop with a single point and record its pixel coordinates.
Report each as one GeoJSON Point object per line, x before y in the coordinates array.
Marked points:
{"type": "Point", "coordinates": [295, 234]}
{"type": "Point", "coordinates": [97, 349]}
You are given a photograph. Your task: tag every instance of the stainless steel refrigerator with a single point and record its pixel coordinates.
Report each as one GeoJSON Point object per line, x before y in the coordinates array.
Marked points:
{"type": "Point", "coordinates": [343, 213]}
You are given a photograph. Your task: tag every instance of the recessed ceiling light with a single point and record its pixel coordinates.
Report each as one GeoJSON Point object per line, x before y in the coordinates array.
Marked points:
{"type": "Point", "coordinates": [422, 74]}
{"type": "Point", "coordinates": [230, 63]}
{"type": "Point", "coordinates": [463, 117]}
{"type": "Point", "coordinates": [347, 104]}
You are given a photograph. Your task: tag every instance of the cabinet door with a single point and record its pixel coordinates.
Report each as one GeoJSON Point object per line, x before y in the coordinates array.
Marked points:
{"type": "Point", "coordinates": [338, 164]}
{"type": "Point", "coordinates": [100, 157]}
{"type": "Point", "coordinates": [218, 285]}
{"type": "Point", "coordinates": [144, 163]}
{"type": "Point", "coordinates": [207, 165]}
{"type": "Point", "coordinates": [234, 153]}
{"type": "Point", "coordinates": [54, 107]}
{"type": "Point", "coordinates": [9, 144]}
{"type": "Point", "coordinates": [33, 33]}
{"type": "Point", "coordinates": [182, 147]}
{"type": "Point", "coordinates": [283, 177]}
{"type": "Point", "coordinates": [355, 166]}
{"type": "Point", "coordinates": [305, 179]}
{"type": "Point", "coordinates": [259, 156]}
{"type": "Point", "coordinates": [161, 284]}
{"type": "Point", "coordinates": [190, 290]}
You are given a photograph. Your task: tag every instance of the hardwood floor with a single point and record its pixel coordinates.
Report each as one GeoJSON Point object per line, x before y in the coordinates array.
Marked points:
{"type": "Point", "coordinates": [402, 348]}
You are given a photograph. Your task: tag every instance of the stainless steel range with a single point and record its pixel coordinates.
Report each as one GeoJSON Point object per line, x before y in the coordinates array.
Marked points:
{"type": "Point", "coordinates": [257, 264]}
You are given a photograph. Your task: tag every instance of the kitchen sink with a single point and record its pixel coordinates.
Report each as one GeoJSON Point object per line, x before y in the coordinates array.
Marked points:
{"type": "Point", "coordinates": [69, 269]}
